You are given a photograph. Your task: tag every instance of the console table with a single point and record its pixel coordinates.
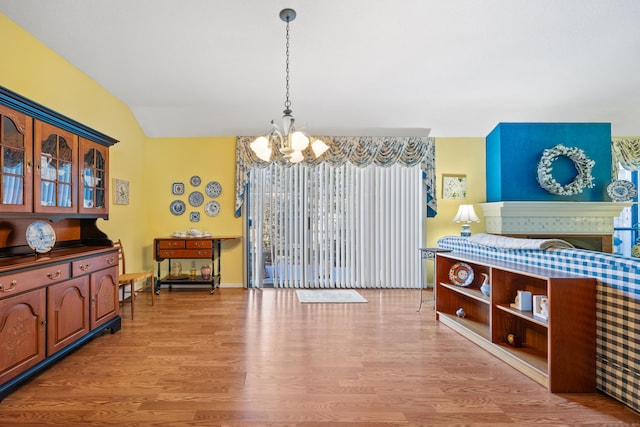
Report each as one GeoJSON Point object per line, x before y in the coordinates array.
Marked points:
{"type": "Point", "coordinates": [171, 248]}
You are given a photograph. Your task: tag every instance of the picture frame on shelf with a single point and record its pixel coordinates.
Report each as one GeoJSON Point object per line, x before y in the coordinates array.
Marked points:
{"type": "Point", "coordinates": [541, 307]}
{"type": "Point", "coordinates": [454, 187]}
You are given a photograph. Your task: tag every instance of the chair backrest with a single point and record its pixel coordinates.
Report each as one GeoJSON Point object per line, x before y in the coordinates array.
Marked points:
{"type": "Point", "coordinates": [118, 244]}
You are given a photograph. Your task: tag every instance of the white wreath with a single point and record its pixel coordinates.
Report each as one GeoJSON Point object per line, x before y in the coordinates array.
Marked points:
{"type": "Point", "coordinates": [583, 165]}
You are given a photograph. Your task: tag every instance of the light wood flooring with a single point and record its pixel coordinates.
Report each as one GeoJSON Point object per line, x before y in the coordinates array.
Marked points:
{"type": "Point", "coordinates": [261, 358]}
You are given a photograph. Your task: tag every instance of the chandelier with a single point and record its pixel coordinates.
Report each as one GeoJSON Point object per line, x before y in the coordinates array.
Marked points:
{"type": "Point", "coordinates": [289, 141]}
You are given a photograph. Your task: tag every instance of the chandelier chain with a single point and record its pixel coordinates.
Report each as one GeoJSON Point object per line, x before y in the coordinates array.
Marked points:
{"type": "Point", "coordinates": [287, 103]}
{"type": "Point", "coordinates": [287, 140]}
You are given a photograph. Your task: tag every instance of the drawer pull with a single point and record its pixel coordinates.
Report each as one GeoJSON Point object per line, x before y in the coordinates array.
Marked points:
{"type": "Point", "coordinates": [55, 275]}
{"type": "Point", "coordinates": [10, 288]}
{"type": "Point", "coordinates": [85, 267]}
{"type": "Point", "coordinates": [111, 260]}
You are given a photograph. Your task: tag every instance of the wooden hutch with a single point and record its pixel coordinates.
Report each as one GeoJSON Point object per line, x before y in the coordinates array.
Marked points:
{"type": "Point", "coordinates": [58, 291]}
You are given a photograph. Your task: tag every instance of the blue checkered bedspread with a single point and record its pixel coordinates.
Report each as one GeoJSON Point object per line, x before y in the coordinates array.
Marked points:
{"type": "Point", "coordinates": [617, 307]}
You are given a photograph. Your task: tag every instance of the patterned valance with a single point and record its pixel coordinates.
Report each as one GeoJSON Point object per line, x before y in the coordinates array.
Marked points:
{"type": "Point", "coordinates": [360, 151]}
{"type": "Point", "coordinates": [626, 151]}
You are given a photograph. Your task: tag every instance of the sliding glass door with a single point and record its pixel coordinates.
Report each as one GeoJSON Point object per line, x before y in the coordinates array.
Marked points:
{"type": "Point", "coordinates": [335, 227]}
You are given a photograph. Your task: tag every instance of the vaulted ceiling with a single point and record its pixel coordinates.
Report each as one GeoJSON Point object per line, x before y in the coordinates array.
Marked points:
{"type": "Point", "coordinates": [456, 67]}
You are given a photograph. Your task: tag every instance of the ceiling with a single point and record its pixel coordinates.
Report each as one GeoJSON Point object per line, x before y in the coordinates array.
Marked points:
{"type": "Point", "coordinates": [457, 67]}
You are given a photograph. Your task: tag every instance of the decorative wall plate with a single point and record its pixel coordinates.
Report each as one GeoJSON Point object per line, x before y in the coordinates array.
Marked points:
{"type": "Point", "coordinates": [41, 237]}
{"type": "Point", "coordinates": [461, 274]}
{"type": "Point", "coordinates": [212, 208]}
{"type": "Point", "coordinates": [213, 189]}
{"type": "Point", "coordinates": [178, 207]}
{"type": "Point", "coordinates": [194, 216]}
{"type": "Point", "coordinates": [177, 188]}
{"type": "Point", "coordinates": [195, 180]}
{"type": "Point", "coordinates": [196, 198]}
{"type": "Point", "coordinates": [622, 191]}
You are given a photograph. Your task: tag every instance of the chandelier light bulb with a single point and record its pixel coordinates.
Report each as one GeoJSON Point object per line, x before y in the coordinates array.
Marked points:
{"type": "Point", "coordinates": [265, 155]}
{"type": "Point", "coordinates": [259, 144]}
{"type": "Point", "coordinates": [299, 141]}
{"type": "Point", "coordinates": [296, 157]}
{"type": "Point", "coordinates": [319, 147]}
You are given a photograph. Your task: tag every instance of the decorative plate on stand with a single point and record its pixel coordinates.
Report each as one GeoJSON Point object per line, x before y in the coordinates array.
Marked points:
{"type": "Point", "coordinates": [622, 191]}
{"type": "Point", "coordinates": [461, 274]}
{"type": "Point", "coordinates": [41, 237]}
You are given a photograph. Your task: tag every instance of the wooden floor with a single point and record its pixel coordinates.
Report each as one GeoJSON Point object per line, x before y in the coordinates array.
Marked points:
{"type": "Point", "coordinates": [261, 358]}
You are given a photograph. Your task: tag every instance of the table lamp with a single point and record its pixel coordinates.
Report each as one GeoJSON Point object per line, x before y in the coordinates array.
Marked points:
{"type": "Point", "coordinates": [466, 214]}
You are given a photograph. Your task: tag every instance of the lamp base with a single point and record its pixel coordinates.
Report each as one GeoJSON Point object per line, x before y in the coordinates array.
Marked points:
{"type": "Point", "coordinates": [466, 232]}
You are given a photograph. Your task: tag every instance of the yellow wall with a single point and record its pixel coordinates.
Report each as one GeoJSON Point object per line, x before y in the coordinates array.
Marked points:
{"type": "Point", "coordinates": [172, 160]}
{"type": "Point", "coordinates": [458, 156]}
{"type": "Point", "coordinates": [40, 75]}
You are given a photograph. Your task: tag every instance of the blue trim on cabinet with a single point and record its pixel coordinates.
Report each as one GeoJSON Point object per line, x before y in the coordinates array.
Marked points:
{"type": "Point", "coordinates": [42, 113]}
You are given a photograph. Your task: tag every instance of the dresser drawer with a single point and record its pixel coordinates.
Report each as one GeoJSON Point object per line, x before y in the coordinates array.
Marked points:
{"type": "Point", "coordinates": [26, 280]}
{"type": "Point", "coordinates": [95, 263]}
{"type": "Point", "coordinates": [185, 253]}
{"type": "Point", "coordinates": [171, 244]}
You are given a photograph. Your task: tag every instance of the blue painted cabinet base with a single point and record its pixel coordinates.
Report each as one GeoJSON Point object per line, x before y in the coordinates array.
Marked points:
{"type": "Point", "coordinates": [7, 388]}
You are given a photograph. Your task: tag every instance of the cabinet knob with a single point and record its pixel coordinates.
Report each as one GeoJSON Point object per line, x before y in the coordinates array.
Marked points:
{"type": "Point", "coordinates": [85, 267]}
{"type": "Point", "coordinates": [55, 275]}
{"type": "Point", "coordinates": [10, 288]}
{"type": "Point", "coordinates": [111, 260]}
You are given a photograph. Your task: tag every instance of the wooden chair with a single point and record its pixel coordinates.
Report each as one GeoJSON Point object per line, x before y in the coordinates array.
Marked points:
{"type": "Point", "coordinates": [130, 279]}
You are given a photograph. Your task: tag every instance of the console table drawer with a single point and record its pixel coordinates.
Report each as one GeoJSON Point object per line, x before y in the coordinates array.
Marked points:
{"type": "Point", "coordinates": [26, 280]}
{"type": "Point", "coordinates": [89, 265]}
{"type": "Point", "coordinates": [199, 244]}
{"type": "Point", "coordinates": [185, 253]}
{"type": "Point", "coordinates": [171, 244]}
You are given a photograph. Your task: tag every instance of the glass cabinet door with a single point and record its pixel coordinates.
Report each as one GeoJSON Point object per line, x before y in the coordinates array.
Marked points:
{"type": "Point", "coordinates": [55, 183]}
{"type": "Point", "coordinates": [15, 161]}
{"type": "Point", "coordinates": [94, 180]}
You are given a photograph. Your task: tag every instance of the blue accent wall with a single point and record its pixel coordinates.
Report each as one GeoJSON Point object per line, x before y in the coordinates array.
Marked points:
{"type": "Point", "coordinates": [513, 151]}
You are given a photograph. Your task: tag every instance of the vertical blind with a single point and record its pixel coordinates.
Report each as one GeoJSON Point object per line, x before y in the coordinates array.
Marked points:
{"type": "Point", "coordinates": [336, 226]}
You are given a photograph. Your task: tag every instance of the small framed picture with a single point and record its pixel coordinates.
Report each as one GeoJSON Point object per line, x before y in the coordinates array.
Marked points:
{"type": "Point", "coordinates": [454, 187]}
{"type": "Point", "coordinates": [121, 195]}
{"type": "Point", "coordinates": [177, 188]}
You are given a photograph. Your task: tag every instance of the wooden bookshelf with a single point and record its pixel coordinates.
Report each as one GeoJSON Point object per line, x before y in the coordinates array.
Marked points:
{"type": "Point", "coordinates": [558, 352]}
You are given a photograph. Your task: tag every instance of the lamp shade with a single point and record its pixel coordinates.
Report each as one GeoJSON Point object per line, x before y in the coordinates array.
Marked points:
{"type": "Point", "coordinates": [299, 141]}
{"type": "Point", "coordinates": [466, 214]}
{"type": "Point", "coordinates": [319, 147]}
